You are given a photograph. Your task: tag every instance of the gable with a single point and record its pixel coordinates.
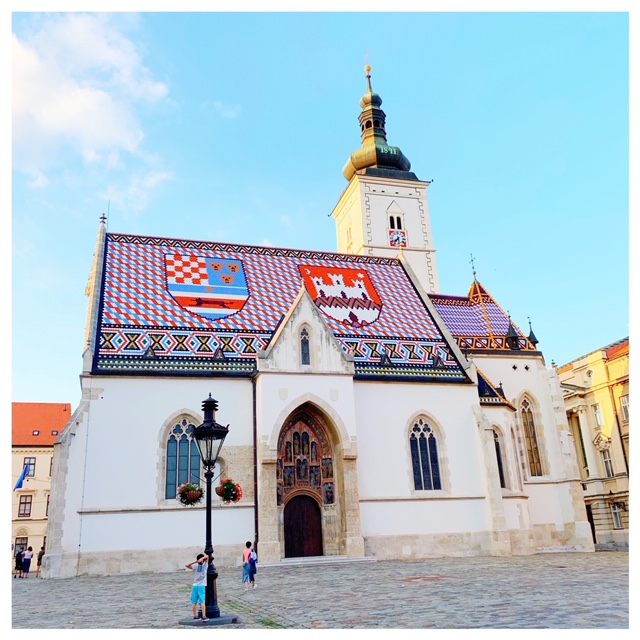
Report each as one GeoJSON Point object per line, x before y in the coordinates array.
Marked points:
{"type": "Point", "coordinates": [166, 309]}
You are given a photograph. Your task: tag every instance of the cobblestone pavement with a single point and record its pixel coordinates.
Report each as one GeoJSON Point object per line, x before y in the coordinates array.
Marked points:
{"type": "Point", "coordinates": [546, 591]}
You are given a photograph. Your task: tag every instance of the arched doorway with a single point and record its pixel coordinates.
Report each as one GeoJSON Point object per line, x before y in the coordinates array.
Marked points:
{"type": "Point", "coordinates": [302, 527]}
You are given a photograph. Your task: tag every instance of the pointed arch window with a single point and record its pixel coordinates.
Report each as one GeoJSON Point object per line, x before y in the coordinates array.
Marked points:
{"type": "Point", "coordinates": [531, 439]}
{"type": "Point", "coordinates": [305, 357]}
{"type": "Point", "coordinates": [424, 457]}
{"type": "Point", "coordinates": [496, 441]}
{"type": "Point", "coordinates": [183, 459]}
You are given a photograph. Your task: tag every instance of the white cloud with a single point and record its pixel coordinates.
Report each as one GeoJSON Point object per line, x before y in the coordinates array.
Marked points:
{"type": "Point", "coordinates": [135, 196]}
{"type": "Point", "coordinates": [230, 112]}
{"type": "Point", "coordinates": [76, 81]}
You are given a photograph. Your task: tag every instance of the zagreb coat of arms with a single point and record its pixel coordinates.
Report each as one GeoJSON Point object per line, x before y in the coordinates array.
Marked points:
{"type": "Point", "coordinates": [346, 295]}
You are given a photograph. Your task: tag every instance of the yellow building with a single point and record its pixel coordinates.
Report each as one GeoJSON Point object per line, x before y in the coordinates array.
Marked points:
{"type": "Point", "coordinates": [596, 395]}
{"type": "Point", "coordinates": [34, 428]}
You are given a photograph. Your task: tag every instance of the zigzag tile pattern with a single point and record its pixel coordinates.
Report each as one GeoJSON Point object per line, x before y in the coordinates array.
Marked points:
{"type": "Point", "coordinates": [143, 327]}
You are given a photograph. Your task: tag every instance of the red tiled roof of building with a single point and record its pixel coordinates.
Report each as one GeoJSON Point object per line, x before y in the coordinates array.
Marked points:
{"type": "Point", "coordinates": [618, 349]}
{"type": "Point", "coordinates": [38, 423]}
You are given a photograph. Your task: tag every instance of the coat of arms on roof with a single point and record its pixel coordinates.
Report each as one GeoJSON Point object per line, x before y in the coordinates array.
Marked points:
{"type": "Point", "coordinates": [209, 287]}
{"type": "Point", "coordinates": [346, 295]}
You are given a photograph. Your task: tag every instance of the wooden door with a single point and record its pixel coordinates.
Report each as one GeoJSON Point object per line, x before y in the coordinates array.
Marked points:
{"type": "Point", "coordinates": [302, 528]}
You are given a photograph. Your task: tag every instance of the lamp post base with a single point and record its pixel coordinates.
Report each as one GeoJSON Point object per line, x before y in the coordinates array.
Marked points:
{"type": "Point", "coordinates": [210, 622]}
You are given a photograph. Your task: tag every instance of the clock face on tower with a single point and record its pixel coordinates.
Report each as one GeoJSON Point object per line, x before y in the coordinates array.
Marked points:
{"type": "Point", "coordinates": [397, 238]}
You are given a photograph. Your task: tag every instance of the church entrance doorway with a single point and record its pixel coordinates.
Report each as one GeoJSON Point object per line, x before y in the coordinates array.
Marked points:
{"type": "Point", "coordinates": [302, 527]}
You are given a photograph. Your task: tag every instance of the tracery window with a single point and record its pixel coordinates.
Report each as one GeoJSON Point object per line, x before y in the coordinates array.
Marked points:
{"type": "Point", "coordinates": [183, 458]}
{"type": "Point", "coordinates": [305, 461]}
{"type": "Point", "coordinates": [531, 439]}
{"type": "Point", "coordinates": [424, 457]}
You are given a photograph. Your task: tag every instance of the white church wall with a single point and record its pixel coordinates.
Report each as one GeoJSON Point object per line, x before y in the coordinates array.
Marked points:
{"type": "Point", "coordinates": [419, 516]}
{"type": "Point", "coordinates": [278, 395]}
{"type": "Point", "coordinates": [385, 413]}
{"type": "Point", "coordinates": [161, 528]}
{"type": "Point", "coordinates": [127, 418]}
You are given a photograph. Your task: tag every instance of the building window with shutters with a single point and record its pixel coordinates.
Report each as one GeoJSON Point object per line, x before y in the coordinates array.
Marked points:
{"type": "Point", "coordinates": [24, 507]}
{"type": "Point", "coordinates": [624, 407]}
{"type": "Point", "coordinates": [597, 414]}
{"type": "Point", "coordinates": [31, 463]}
{"type": "Point", "coordinates": [606, 461]}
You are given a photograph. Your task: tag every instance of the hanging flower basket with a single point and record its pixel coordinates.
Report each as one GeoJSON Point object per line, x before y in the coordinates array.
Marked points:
{"type": "Point", "coordinates": [229, 491]}
{"type": "Point", "coordinates": [189, 494]}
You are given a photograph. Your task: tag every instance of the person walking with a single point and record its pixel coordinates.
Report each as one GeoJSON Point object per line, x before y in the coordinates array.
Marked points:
{"type": "Point", "coordinates": [246, 565]}
{"type": "Point", "coordinates": [26, 562]}
{"type": "Point", "coordinates": [18, 566]}
{"type": "Point", "coordinates": [199, 569]}
{"type": "Point", "coordinates": [39, 562]}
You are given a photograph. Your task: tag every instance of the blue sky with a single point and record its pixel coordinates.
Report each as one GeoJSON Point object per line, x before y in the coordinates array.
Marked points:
{"type": "Point", "coordinates": [235, 127]}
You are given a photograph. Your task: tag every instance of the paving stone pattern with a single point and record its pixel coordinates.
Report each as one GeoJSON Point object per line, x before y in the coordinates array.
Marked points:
{"type": "Point", "coordinates": [546, 591]}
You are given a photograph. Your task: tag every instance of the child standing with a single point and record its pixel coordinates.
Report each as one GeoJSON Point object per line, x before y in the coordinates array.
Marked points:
{"type": "Point", "coordinates": [246, 565]}
{"type": "Point", "coordinates": [199, 569]}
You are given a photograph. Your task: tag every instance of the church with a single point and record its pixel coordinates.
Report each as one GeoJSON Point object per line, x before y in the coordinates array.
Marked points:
{"type": "Point", "coordinates": [369, 414]}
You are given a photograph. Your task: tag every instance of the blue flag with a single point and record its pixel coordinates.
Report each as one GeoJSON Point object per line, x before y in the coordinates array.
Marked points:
{"type": "Point", "coordinates": [21, 478]}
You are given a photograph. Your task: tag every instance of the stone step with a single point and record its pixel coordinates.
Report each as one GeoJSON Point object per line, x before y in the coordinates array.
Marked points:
{"type": "Point", "coordinates": [316, 560]}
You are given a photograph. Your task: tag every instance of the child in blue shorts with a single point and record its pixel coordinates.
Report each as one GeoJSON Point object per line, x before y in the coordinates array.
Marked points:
{"type": "Point", "coordinates": [199, 567]}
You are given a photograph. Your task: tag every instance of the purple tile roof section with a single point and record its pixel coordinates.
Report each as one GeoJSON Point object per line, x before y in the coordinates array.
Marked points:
{"type": "Point", "coordinates": [158, 311]}
{"type": "Point", "coordinates": [476, 320]}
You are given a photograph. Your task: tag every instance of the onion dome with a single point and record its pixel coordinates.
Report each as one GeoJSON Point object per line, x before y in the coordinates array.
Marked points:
{"type": "Point", "coordinates": [375, 156]}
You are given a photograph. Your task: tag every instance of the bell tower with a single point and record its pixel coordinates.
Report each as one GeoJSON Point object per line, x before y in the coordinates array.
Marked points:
{"type": "Point", "coordinates": [384, 208]}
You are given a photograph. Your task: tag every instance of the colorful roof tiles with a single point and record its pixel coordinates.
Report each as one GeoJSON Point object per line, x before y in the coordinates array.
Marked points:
{"type": "Point", "coordinates": [181, 306]}
{"type": "Point", "coordinates": [477, 321]}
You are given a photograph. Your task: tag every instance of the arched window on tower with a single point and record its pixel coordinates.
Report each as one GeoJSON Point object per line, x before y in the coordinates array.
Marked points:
{"type": "Point", "coordinates": [392, 222]}
{"type": "Point", "coordinates": [399, 222]}
{"type": "Point", "coordinates": [183, 458]}
{"type": "Point", "coordinates": [305, 357]}
{"type": "Point", "coordinates": [531, 439]}
{"type": "Point", "coordinates": [424, 457]}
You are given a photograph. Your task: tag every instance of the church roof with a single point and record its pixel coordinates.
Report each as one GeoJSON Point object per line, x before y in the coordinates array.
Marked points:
{"type": "Point", "coordinates": [187, 307]}
{"type": "Point", "coordinates": [477, 321]}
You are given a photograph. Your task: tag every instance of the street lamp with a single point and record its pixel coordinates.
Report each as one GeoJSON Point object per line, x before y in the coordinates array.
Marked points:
{"type": "Point", "coordinates": [209, 437]}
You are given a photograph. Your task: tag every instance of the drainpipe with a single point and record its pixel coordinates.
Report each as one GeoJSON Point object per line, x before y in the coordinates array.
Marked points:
{"type": "Point", "coordinates": [255, 460]}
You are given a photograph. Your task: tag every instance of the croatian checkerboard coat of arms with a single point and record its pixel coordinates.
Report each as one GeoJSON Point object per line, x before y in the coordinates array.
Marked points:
{"type": "Point", "coordinates": [210, 287]}
{"type": "Point", "coordinates": [346, 295]}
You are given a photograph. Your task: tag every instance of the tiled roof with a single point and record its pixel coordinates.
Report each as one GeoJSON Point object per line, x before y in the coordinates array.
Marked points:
{"type": "Point", "coordinates": [612, 350]}
{"type": "Point", "coordinates": [489, 394]}
{"type": "Point", "coordinates": [476, 320]}
{"type": "Point", "coordinates": [38, 423]}
{"type": "Point", "coordinates": [179, 306]}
